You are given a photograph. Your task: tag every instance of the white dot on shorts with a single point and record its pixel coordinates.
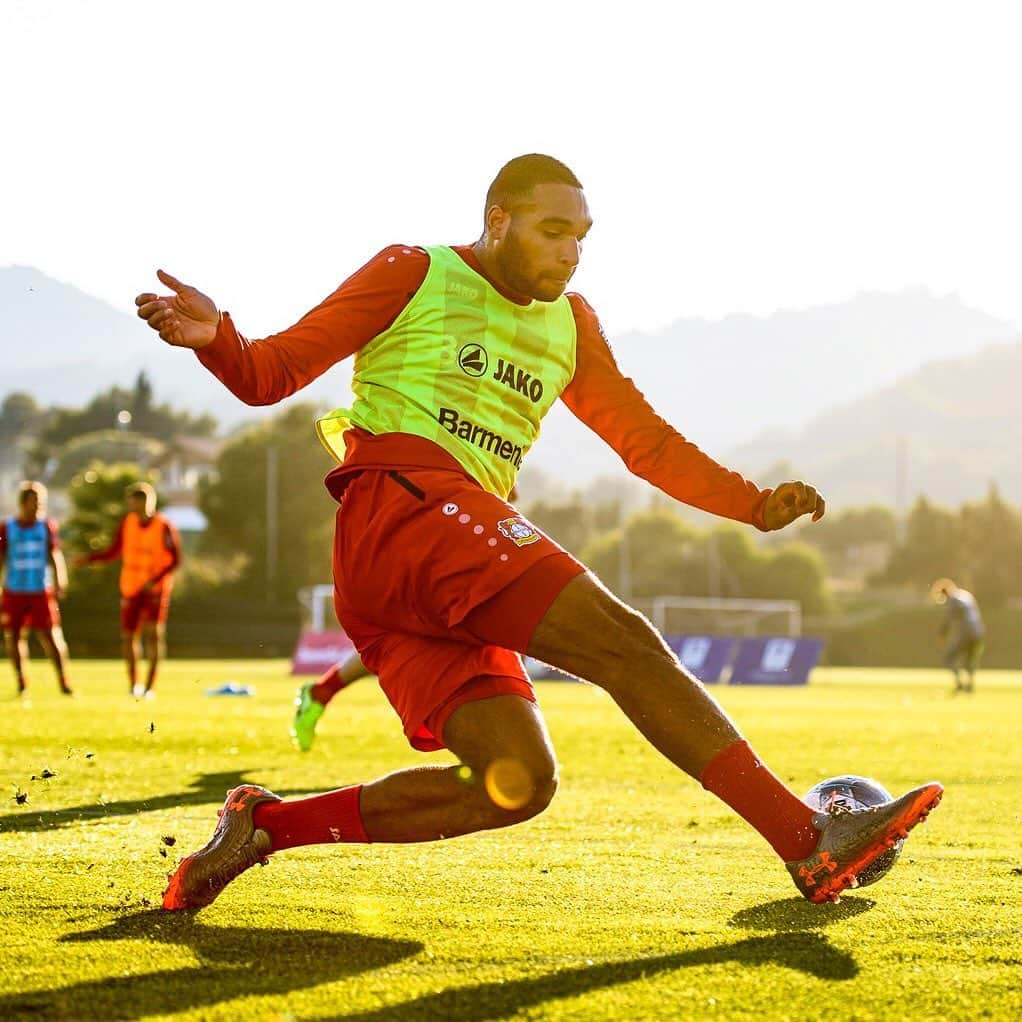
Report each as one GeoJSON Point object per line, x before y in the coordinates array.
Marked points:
{"type": "Point", "coordinates": [491, 542]}
{"type": "Point", "coordinates": [478, 530]}
{"type": "Point", "coordinates": [464, 519]}
{"type": "Point", "coordinates": [503, 557]}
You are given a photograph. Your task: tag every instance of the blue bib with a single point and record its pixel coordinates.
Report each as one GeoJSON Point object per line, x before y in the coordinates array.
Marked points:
{"type": "Point", "coordinates": [28, 556]}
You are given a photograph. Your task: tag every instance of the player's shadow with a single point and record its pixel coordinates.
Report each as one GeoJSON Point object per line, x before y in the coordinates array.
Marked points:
{"type": "Point", "coordinates": [804, 952]}
{"type": "Point", "coordinates": [796, 915]}
{"type": "Point", "coordinates": [233, 962]}
{"type": "Point", "coordinates": [205, 789]}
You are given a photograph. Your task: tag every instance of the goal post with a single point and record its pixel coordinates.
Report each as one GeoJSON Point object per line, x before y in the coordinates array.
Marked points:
{"type": "Point", "coordinates": [318, 602]}
{"type": "Point", "coordinates": [723, 615]}
{"type": "Point", "coordinates": [670, 614]}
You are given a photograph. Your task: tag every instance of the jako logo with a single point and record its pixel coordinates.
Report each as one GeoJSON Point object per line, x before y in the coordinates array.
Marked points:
{"type": "Point", "coordinates": [473, 360]}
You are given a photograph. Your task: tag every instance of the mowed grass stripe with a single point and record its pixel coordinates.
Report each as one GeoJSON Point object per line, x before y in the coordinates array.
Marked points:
{"type": "Point", "coordinates": [636, 895]}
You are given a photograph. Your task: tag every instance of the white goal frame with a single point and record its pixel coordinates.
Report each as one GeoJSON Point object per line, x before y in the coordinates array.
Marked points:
{"type": "Point", "coordinates": [315, 599]}
{"type": "Point", "coordinates": [749, 612]}
{"type": "Point", "coordinates": [318, 600]}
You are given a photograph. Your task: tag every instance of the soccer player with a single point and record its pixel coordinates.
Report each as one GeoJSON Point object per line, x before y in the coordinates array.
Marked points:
{"type": "Point", "coordinates": [35, 578]}
{"type": "Point", "coordinates": [440, 583]}
{"type": "Point", "coordinates": [150, 552]}
{"type": "Point", "coordinates": [963, 625]}
{"type": "Point", "coordinates": [312, 698]}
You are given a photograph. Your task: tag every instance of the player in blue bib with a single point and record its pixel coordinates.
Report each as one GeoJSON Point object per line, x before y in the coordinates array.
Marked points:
{"type": "Point", "coordinates": [34, 578]}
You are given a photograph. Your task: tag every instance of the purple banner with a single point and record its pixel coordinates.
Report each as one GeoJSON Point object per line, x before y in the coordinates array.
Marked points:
{"type": "Point", "coordinates": [776, 660]}
{"type": "Point", "coordinates": [705, 656]}
{"type": "Point", "coordinates": [316, 651]}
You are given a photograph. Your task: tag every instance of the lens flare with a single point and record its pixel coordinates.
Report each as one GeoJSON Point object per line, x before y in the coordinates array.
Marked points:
{"type": "Point", "coordinates": [508, 784]}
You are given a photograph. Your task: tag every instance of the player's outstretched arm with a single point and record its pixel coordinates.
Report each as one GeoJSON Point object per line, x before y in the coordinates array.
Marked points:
{"type": "Point", "coordinates": [59, 566]}
{"type": "Point", "coordinates": [185, 319]}
{"type": "Point", "coordinates": [791, 500]}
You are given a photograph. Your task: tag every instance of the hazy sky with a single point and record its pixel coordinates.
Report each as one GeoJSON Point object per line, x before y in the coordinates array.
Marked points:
{"type": "Point", "coordinates": [738, 157]}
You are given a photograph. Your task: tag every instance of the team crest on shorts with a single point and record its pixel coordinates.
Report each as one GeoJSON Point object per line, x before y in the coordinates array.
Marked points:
{"type": "Point", "coordinates": [518, 530]}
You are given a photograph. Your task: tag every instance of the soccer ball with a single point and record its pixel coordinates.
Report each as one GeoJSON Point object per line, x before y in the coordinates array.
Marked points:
{"type": "Point", "coordinates": [840, 794]}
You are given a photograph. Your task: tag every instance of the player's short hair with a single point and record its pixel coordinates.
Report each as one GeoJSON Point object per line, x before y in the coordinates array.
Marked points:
{"type": "Point", "coordinates": [517, 178]}
{"type": "Point", "coordinates": [142, 490]}
{"type": "Point", "coordinates": [28, 486]}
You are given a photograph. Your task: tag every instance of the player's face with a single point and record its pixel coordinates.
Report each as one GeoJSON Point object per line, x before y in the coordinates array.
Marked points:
{"type": "Point", "coordinates": [136, 504]}
{"type": "Point", "coordinates": [542, 241]}
{"type": "Point", "coordinates": [29, 504]}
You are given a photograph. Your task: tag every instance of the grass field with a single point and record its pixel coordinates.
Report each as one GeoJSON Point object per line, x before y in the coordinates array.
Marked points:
{"type": "Point", "coordinates": [635, 896]}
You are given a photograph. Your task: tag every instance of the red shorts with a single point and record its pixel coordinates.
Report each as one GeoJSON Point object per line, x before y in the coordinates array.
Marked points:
{"type": "Point", "coordinates": [440, 584]}
{"type": "Point", "coordinates": [29, 610]}
{"type": "Point", "coordinates": [143, 606]}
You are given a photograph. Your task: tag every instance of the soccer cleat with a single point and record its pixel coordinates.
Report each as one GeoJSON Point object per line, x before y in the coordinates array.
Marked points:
{"type": "Point", "coordinates": [850, 841]}
{"type": "Point", "coordinates": [236, 845]}
{"type": "Point", "coordinates": [307, 714]}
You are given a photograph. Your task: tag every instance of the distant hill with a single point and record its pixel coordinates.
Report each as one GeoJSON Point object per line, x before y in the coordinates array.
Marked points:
{"type": "Point", "coordinates": [63, 346]}
{"type": "Point", "coordinates": [749, 390]}
{"type": "Point", "coordinates": [945, 431]}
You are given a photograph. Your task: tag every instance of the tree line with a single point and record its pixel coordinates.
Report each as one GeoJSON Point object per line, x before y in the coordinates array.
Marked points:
{"type": "Point", "coordinates": [270, 477]}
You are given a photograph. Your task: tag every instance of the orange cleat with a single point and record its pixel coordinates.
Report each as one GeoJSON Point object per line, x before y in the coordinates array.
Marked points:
{"type": "Point", "coordinates": [236, 845]}
{"type": "Point", "coordinates": [850, 841]}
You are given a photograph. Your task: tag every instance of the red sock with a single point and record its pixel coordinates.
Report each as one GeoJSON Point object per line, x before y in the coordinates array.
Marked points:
{"type": "Point", "coordinates": [329, 684]}
{"type": "Point", "coordinates": [316, 820]}
{"type": "Point", "coordinates": [736, 776]}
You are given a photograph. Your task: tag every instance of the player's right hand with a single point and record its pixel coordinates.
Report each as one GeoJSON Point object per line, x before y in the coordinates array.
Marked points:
{"type": "Point", "coordinates": [185, 319]}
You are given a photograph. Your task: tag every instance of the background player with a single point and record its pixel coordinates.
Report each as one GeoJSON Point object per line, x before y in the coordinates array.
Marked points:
{"type": "Point", "coordinates": [966, 633]}
{"type": "Point", "coordinates": [440, 583]}
{"type": "Point", "coordinates": [35, 578]}
{"type": "Point", "coordinates": [150, 551]}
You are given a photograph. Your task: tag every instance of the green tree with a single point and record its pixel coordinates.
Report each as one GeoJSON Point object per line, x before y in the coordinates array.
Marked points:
{"type": "Point", "coordinates": [667, 556]}
{"type": "Point", "coordinates": [148, 419]}
{"type": "Point", "coordinates": [659, 549]}
{"type": "Point", "coordinates": [19, 414]}
{"type": "Point", "coordinates": [991, 533]}
{"type": "Point", "coordinates": [103, 447]}
{"type": "Point", "coordinates": [842, 530]}
{"type": "Point", "coordinates": [931, 548]}
{"type": "Point", "coordinates": [234, 501]}
{"type": "Point", "coordinates": [796, 571]}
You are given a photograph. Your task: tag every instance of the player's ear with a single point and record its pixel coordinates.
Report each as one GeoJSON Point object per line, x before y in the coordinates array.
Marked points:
{"type": "Point", "coordinates": [498, 220]}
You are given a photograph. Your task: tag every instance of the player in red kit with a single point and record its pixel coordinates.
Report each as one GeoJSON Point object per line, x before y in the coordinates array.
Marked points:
{"type": "Point", "coordinates": [150, 551]}
{"type": "Point", "coordinates": [34, 579]}
{"type": "Point", "coordinates": [459, 353]}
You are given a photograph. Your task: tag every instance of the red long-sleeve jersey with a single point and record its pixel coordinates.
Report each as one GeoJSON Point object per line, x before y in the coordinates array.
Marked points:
{"type": "Point", "coordinates": [367, 303]}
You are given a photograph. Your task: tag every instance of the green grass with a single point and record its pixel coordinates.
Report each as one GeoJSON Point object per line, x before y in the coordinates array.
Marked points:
{"type": "Point", "coordinates": [635, 896]}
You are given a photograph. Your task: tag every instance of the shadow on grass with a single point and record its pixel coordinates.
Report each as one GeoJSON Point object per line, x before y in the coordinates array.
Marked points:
{"type": "Point", "coordinates": [234, 962]}
{"type": "Point", "coordinates": [206, 789]}
{"type": "Point", "coordinates": [804, 952]}
{"type": "Point", "coordinates": [795, 915]}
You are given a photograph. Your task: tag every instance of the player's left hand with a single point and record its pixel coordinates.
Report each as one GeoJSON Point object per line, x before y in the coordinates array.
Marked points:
{"type": "Point", "coordinates": [790, 501]}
